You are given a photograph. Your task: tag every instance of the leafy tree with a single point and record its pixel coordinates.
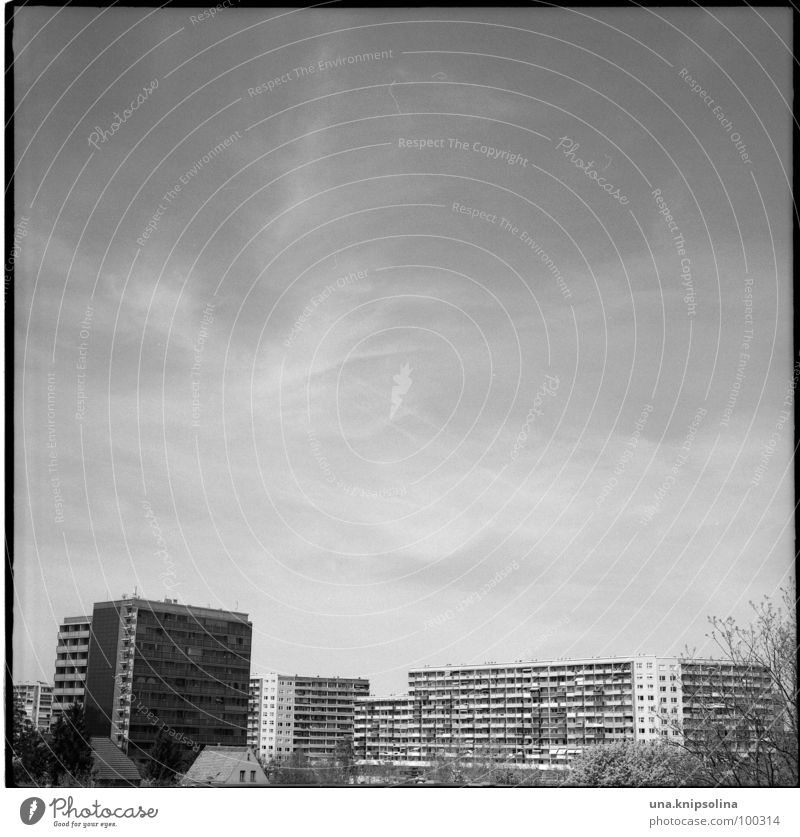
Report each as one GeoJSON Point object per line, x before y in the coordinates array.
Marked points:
{"type": "Point", "coordinates": [744, 731]}
{"type": "Point", "coordinates": [294, 771]}
{"type": "Point", "coordinates": [634, 764]}
{"type": "Point", "coordinates": [344, 761]}
{"type": "Point", "coordinates": [166, 759]}
{"type": "Point", "coordinates": [516, 777]}
{"type": "Point", "coordinates": [71, 751]}
{"type": "Point", "coordinates": [29, 750]}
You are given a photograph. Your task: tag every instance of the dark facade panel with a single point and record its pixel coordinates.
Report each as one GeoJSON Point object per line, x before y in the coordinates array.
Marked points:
{"type": "Point", "coordinates": [101, 670]}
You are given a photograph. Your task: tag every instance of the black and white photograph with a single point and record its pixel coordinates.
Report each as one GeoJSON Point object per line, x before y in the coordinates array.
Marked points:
{"type": "Point", "coordinates": [400, 397]}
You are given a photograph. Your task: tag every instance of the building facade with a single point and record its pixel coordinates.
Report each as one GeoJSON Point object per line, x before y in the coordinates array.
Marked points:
{"type": "Point", "coordinates": [72, 660]}
{"type": "Point", "coordinates": [296, 713]}
{"type": "Point", "coordinates": [722, 700]}
{"type": "Point", "coordinates": [271, 715]}
{"type": "Point", "coordinates": [161, 665]}
{"type": "Point", "coordinates": [538, 714]}
{"type": "Point", "coordinates": [37, 698]}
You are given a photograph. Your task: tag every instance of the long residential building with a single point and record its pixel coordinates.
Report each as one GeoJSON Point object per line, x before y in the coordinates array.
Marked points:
{"type": "Point", "coordinates": [72, 660]}
{"type": "Point", "coordinates": [37, 699]}
{"type": "Point", "coordinates": [163, 666]}
{"type": "Point", "coordinates": [302, 714]}
{"type": "Point", "coordinates": [541, 714]}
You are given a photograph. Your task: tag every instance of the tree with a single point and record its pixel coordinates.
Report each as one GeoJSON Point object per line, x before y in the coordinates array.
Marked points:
{"type": "Point", "coordinates": [295, 771]}
{"type": "Point", "coordinates": [71, 751]}
{"type": "Point", "coordinates": [344, 761]}
{"type": "Point", "coordinates": [743, 727]}
{"type": "Point", "coordinates": [29, 750]}
{"type": "Point", "coordinates": [166, 759]}
{"type": "Point", "coordinates": [634, 764]}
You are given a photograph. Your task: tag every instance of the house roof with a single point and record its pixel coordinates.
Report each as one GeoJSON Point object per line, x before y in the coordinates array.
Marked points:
{"type": "Point", "coordinates": [220, 766]}
{"type": "Point", "coordinates": [112, 765]}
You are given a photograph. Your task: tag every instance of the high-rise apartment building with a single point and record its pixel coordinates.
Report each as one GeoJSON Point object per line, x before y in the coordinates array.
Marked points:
{"type": "Point", "coordinates": [37, 698]}
{"type": "Point", "coordinates": [271, 716]}
{"type": "Point", "coordinates": [295, 713]}
{"type": "Point", "coordinates": [539, 714]}
{"type": "Point", "coordinates": [72, 659]}
{"type": "Point", "coordinates": [161, 665]}
{"type": "Point", "coordinates": [720, 696]}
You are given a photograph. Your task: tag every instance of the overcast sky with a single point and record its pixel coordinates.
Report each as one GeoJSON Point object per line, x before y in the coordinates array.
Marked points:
{"type": "Point", "coordinates": [325, 382]}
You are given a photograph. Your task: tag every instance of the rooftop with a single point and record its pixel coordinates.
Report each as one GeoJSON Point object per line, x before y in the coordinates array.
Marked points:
{"type": "Point", "coordinates": [173, 606]}
{"type": "Point", "coordinates": [111, 765]}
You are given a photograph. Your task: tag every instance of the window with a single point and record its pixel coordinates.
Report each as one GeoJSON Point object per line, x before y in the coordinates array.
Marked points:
{"type": "Point", "coordinates": [252, 775]}
{"type": "Point", "coordinates": [241, 775]}
{"type": "Point", "coordinates": [662, 677]}
{"type": "Point", "coordinates": [651, 697]}
{"type": "Point", "coordinates": [640, 697]}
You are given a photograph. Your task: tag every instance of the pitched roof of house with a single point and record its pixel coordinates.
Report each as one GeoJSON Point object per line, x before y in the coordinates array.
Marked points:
{"type": "Point", "coordinates": [111, 765]}
{"type": "Point", "coordinates": [219, 766]}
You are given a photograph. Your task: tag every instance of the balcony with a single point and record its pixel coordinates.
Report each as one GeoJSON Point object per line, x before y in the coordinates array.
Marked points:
{"type": "Point", "coordinates": [72, 649]}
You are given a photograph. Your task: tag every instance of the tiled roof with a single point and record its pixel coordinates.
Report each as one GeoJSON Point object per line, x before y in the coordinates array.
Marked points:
{"type": "Point", "coordinates": [220, 766]}
{"type": "Point", "coordinates": [111, 765]}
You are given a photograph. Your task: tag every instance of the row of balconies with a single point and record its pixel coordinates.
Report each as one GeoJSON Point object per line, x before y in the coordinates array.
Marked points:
{"type": "Point", "coordinates": [72, 649]}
